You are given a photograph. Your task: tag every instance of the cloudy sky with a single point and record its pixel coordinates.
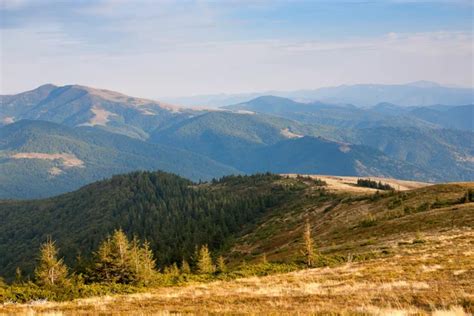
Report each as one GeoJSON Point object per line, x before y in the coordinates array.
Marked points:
{"type": "Point", "coordinates": [177, 48]}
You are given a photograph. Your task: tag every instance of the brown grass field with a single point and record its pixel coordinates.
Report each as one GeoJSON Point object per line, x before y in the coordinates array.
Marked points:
{"type": "Point", "coordinates": [430, 277]}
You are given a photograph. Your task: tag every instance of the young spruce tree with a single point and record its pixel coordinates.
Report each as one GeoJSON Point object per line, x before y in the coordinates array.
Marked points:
{"type": "Point", "coordinates": [309, 249]}
{"type": "Point", "coordinates": [204, 262]}
{"type": "Point", "coordinates": [120, 261]}
{"type": "Point", "coordinates": [50, 271]}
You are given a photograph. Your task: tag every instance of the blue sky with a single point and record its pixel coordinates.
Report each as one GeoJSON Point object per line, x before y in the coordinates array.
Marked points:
{"type": "Point", "coordinates": [171, 48]}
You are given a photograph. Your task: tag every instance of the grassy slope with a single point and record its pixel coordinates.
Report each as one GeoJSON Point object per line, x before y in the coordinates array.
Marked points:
{"type": "Point", "coordinates": [414, 262]}
{"type": "Point", "coordinates": [359, 224]}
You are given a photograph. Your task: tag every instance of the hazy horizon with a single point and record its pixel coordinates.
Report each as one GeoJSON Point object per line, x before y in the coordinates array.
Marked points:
{"type": "Point", "coordinates": [160, 49]}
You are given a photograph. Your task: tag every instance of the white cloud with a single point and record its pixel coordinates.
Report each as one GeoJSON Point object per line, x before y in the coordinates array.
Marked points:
{"type": "Point", "coordinates": [163, 50]}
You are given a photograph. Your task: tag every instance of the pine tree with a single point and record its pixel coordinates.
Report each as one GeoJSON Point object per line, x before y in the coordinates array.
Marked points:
{"type": "Point", "coordinates": [204, 262]}
{"type": "Point", "coordinates": [172, 270]}
{"type": "Point", "coordinates": [185, 268]}
{"type": "Point", "coordinates": [221, 266]}
{"type": "Point", "coordinates": [50, 271]}
{"type": "Point", "coordinates": [113, 262]}
{"type": "Point", "coordinates": [18, 275]}
{"type": "Point", "coordinates": [147, 264]}
{"type": "Point", "coordinates": [121, 261]}
{"type": "Point", "coordinates": [141, 262]}
{"type": "Point", "coordinates": [309, 249]}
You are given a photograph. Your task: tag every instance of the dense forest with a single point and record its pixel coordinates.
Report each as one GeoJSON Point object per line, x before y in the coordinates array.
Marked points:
{"type": "Point", "coordinates": [172, 214]}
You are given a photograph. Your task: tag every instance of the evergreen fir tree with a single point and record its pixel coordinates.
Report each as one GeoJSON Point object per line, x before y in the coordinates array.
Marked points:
{"type": "Point", "coordinates": [204, 263]}
{"type": "Point", "coordinates": [309, 249]}
{"type": "Point", "coordinates": [185, 268]}
{"type": "Point", "coordinates": [50, 271]}
{"type": "Point", "coordinates": [221, 266]}
{"type": "Point", "coordinates": [121, 261]}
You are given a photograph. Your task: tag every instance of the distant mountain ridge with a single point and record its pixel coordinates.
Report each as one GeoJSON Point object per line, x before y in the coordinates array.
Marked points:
{"type": "Point", "coordinates": [419, 93]}
{"type": "Point", "coordinates": [75, 105]}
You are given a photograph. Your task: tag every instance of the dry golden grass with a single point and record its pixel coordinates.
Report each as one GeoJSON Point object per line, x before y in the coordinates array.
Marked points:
{"type": "Point", "coordinates": [347, 184]}
{"type": "Point", "coordinates": [419, 278]}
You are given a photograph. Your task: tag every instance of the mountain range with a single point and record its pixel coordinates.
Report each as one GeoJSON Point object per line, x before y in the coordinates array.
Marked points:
{"type": "Point", "coordinates": [419, 93]}
{"type": "Point", "coordinates": [56, 139]}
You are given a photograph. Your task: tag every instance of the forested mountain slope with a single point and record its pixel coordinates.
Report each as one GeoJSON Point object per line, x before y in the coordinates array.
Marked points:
{"type": "Point", "coordinates": [241, 217]}
{"type": "Point", "coordinates": [39, 159]}
{"type": "Point", "coordinates": [174, 214]}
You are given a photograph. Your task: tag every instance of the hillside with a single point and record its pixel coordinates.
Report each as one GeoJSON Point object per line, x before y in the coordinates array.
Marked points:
{"type": "Point", "coordinates": [172, 213]}
{"type": "Point", "coordinates": [321, 156]}
{"type": "Point", "coordinates": [40, 159]}
{"type": "Point", "coordinates": [357, 223]}
{"type": "Point", "coordinates": [425, 278]}
{"type": "Point", "coordinates": [175, 215]}
{"type": "Point", "coordinates": [260, 143]}
{"type": "Point", "coordinates": [385, 251]}
{"type": "Point", "coordinates": [457, 117]}
{"type": "Point", "coordinates": [228, 137]}
{"type": "Point", "coordinates": [418, 136]}
{"type": "Point", "coordinates": [447, 153]}
{"type": "Point", "coordinates": [75, 105]}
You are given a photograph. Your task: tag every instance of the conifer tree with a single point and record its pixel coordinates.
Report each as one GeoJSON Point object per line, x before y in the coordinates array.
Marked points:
{"type": "Point", "coordinates": [172, 270]}
{"type": "Point", "coordinates": [50, 271]}
{"type": "Point", "coordinates": [121, 261]}
{"type": "Point", "coordinates": [142, 262]}
{"type": "Point", "coordinates": [18, 275]}
{"type": "Point", "coordinates": [221, 266]}
{"type": "Point", "coordinates": [204, 262]}
{"type": "Point", "coordinates": [309, 249]}
{"type": "Point", "coordinates": [113, 259]}
{"type": "Point", "coordinates": [185, 268]}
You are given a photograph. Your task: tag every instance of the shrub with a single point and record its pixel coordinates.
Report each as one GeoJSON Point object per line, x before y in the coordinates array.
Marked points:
{"type": "Point", "coordinates": [368, 222]}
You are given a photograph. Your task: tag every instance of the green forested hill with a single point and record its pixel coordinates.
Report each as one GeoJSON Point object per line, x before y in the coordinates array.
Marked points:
{"type": "Point", "coordinates": [444, 152]}
{"type": "Point", "coordinates": [227, 137]}
{"type": "Point", "coordinates": [173, 213]}
{"type": "Point", "coordinates": [241, 217]}
{"type": "Point", "coordinates": [312, 155]}
{"type": "Point", "coordinates": [86, 155]}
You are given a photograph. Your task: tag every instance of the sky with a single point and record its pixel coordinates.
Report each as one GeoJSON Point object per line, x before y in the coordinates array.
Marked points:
{"type": "Point", "coordinates": [165, 48]}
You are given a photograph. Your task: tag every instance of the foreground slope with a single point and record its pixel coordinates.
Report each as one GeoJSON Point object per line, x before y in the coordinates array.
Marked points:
{"type": "Point", "coordinates": [433, 277]}
{"type": "Point", "coordinates": [357, 223]}
{"type": "Point", "coordinates": [40, 159]}
{"type": "Point", "coordinates": [403, 253]}
{"type": "Point", "coordinates": [241, 217]}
